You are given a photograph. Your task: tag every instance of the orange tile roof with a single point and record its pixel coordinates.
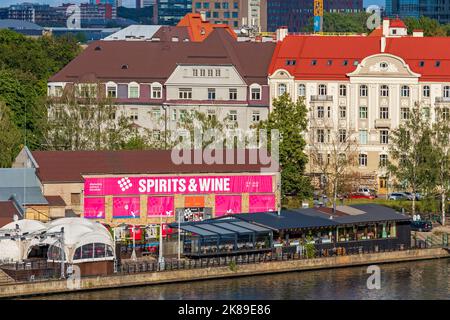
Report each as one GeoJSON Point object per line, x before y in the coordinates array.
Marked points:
{"type": "Point", "coordinates": [198, 29]}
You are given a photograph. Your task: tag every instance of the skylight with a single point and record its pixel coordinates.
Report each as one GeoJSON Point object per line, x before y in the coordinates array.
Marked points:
{"type": "Point", "coordinates": [437, 64]}
{"type": "Point", "coordinates": [421, 63]}
{"type": "Point", "coordinates": [345, 62]}
{"type": "Point", "coordinates": [329, 62]}
{"type": "Point", "coordinates": [313, 62]}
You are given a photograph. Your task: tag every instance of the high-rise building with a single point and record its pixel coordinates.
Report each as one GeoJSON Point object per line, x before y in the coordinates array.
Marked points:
{"type": "Point", "coordinates": [144, 3]}
{"type": "Point", "coordinates": [235, 13]}
{"type": "Point", "coordinates": [297, 14]}
{"type": "Point", "coordinates": [170, 12]}
{"type": "Point", "coordinates": [435, 9]}
{"type": "Point", "coordinates": [41, 14]}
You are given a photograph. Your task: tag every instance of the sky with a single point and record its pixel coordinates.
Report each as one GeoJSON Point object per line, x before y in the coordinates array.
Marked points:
{"type": "Point", "coordinates": [127, 3]}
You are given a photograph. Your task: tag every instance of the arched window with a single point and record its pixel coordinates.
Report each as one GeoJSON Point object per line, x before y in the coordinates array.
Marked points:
{"type": "Point", "coordinates": [111, 90]}
{"type": "Point", "coordinates": [301, 90]}
{"type": "Point", "coordinates": [322, 90]}
{"type": "Point", "coordinates": [282, 88]}
{"type": "Point", "coordinates": [384, 91]}
{"type": "Point", "coordinates": [133, 90]}
{"type": "Point", "coordinates": [446, 92]}
{"type": "Point", "coordinates": [363, 91]}
{"type": "Point", "coordinates": [404, 92]}
{"type": "Point", "coordinates": [54, 253]}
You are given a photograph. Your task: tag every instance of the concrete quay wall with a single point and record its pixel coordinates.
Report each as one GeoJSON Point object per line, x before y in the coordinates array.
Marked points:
{"type": "Point", "coordinates": [149, 278]}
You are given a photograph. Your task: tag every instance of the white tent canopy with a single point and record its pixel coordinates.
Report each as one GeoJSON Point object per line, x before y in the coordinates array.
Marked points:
{"type": "Point", "coordinates": [78, 232]}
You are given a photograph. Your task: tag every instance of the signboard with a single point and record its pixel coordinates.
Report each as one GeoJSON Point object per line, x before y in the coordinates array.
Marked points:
{"type": "Point", "coordinates": [318, 8]}
{"type": "Point", "coordinates": [317, 24]}
{"type": "Point", "coordinates": [228, 204]}
{"type": "Point", "coordinates": [177, 185]}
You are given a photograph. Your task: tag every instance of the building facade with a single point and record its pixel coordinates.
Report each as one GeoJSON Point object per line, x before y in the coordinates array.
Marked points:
{"type": "Point", "coordinates": [434, 9]}
{"type": "Point", "coordinates": [235, 13]}
{"type": "Point", "coordinates": [364, 90]}
{"type": "Point", "coordinates": [297, 14]}
{"type": "Point", "coordinates": [219, 77]}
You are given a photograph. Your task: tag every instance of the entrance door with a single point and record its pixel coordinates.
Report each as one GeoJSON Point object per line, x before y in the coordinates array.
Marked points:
{"type": "Point", "coordinates": [382, 185]}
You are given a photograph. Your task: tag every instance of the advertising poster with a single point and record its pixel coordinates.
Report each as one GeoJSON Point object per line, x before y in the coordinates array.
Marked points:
{"type": "Point", "coordinates": [160, 206]}
{"type": "Point", "coordinates": [126, 207]}
{"type": "Point", "coordinates": [261, 203]}
{"type": "Point", "coordinates": [228, 204]}
{"type": "Point", "coordinates": [94, 208]}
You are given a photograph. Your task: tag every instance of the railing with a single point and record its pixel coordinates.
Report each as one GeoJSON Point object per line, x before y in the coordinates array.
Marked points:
{"type": "Point", "coordinates": [321, 98]}
{"type": "Point", "coordinates": [442, 99]}
{"type": "Point", "coordinates": [52, 271]}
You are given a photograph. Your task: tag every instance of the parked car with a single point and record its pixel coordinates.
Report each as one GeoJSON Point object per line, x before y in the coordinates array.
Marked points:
{"type": "Point", "coordinates": [365, 191]}
{"type": "Point", "coordinates": [412, 196]}
{"type": "Point", "coordinates": [421, 225]}
{"type": "Point", "coordinates": [397, 196]}
{"type": "Point", "coordinates": [358, 195]}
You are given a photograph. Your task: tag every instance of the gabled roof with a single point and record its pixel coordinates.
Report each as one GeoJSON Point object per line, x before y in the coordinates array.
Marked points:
{"type": "Point", "coordinates": [21, 183]}
{"type": "Point", "coordinates": [338, 49]}
{"type": "Point", "coordinates": [198, 29]}
{"type": "Point", "coordinates": [149, 61]}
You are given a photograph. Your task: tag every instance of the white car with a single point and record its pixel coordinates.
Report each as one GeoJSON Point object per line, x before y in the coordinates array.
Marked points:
{"type": "Point", "coordinates": [364, 191]}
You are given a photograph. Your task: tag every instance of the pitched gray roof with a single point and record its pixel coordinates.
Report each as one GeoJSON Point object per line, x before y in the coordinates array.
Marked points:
{"type": "Point", "coordinates": [22, 184]}
{"type": "Point", "coordinates": [18, 25]}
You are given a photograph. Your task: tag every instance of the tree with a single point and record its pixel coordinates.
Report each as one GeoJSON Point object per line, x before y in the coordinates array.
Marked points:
{"type": "Point", "coordinates": [334, 157]}
{"type": "Point", "coordinates": [430, 27]}
{"type": "Point", "coordinates": [10, 137]}
{"type": "Point", "coordinates": [290, 119]}
{"type": "Point", "coordinates": [410, 150]}
{"type": "Point", "coordinates": [441, 156]}
{"type": "Point", "coordinates": [86, 121]}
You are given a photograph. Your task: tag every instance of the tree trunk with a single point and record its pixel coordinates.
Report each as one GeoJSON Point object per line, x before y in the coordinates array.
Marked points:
{"type": "Point", "coordinates": [443, 198]}
{"type": "Point", "coordinates": [414, 204]}
{"type": "Point", "coordinates": [334, 196]}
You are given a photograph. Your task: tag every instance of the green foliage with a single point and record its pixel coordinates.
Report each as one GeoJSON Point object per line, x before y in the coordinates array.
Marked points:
{"type": "Point", "coordinates": [430, 27]}
{"type": "Point", "coordinates": [9, 136]}
{"type": "Point", "coordinates": [290, 119]}
{"type": "Point", "coordinates": [343, 22]}
{"type": "Point", "coordinates": [232, 265]}
{"type": "Point", "coordinates": [309, 247]}
{"type": "Point", "coordinates": [25, 66]}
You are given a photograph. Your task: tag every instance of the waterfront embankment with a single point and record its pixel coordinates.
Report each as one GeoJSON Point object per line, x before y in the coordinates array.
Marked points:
{"type": "Point", "coordinates": [140, 279]}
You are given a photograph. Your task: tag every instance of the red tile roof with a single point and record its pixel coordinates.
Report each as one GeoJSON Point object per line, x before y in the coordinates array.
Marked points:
{"type": "Point", "coordinates": [155, 61]}
{"type": "Point", "coordinates": [7, 212]}
{"type": "Point", "coordinates": [305, 48]}
{"type": "Point", "coordinates": [69, 166]}
{"type": "Point", "coordinates": [397, 23]}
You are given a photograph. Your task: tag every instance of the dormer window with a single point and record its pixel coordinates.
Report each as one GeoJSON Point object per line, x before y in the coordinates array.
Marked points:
{"type": "Point", "coordinates": [111, 90]}
{"type": "Point", "coordinates": [313, 62]}
{"type": "Point", "coordinates": [329, 62]}
{"type": "Point", "coordinates": [156, 90]}
{"type": "Point", "coordinates": [383, 65]}
{"type": "Point", "coordinates": [421, 63]}
{"type": "Point", "coordinates": [345, 62]}
{"type": "Point", "coordinates": [124, 66]}
{"type": "Point", "coordinates": [290, 62]}
{"type": "Point", "coordinates": [437, 64]}
{"type": "Point", "coordinates": [133, 90]}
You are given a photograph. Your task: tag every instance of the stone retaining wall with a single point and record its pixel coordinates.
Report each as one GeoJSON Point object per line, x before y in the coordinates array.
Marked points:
{"type": "Point", "coordinates": [139, 279]}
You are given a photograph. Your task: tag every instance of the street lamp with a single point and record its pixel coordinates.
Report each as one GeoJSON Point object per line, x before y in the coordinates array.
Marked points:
{"type": "Point", "coordinates": [160, 258]}
{"type": "Point", "coordinates": [179, 236]}
{"type": "Point", "coordinates": [133, 255]}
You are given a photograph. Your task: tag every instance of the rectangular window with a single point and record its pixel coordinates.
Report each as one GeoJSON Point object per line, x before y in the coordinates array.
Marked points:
{"type": "Point", "coordinates": [384, 112]}
{"type": "Point", "coordinates": [363, 136]}
{"type": "Point", "coordinates": [320, 136]}
{"type": "Point", "coordinates": [256, 94]}
{"type": "Point", "coordinates": [404, 113]}
{"type": "Point", "coordinates": [133, 92]}
{"type": "Point", "coordinates": [156, 114]}
{"type": "Point", "coordinates": [363, 160]}
{"type": "Point", "coordinates": [343, 90]}
{"type": "Point", "coordinates": [342, 112]}
{"type": "Point", "coordinates": [195, 72]}
{"type": "Point", "coordinates": [185, 93]}
{"type": "Point", "coordinates": [256, 116]}
{"type": "Point", "coordinates": [320, 112]}
{"type": "Point", "coordinates": [202, 72]}
{"type": "Point", "coordinates": [233, 94]}
{"type": "Point", "coordinates": [75, 199]}
{"type": "Point", "coordinates": [328, 112]}
{"type": "Point", "coordinates": [384, 136]}
{"type": "Point", "coordinates": [363, 112]}
{"type": "Point", "coordinates": [232, 115]}
{"type": "Point", "coordinates": [156, 92]}
{"type": "Point", "coordinates": [217, 72]}
{"type": "Point", "coordinates": [383, 160]}
{"type": "Point", "coordinates": [211, 94]}
{"type": "Point", "coordinates": [210, 72]}
{"type": "Point", "coordinates": [211, 114]}
{"type": "Point", "coordinates": [342, 135]}
{"type": "Point", "coordinates": [174, 115]}
{"type": "Point", "coordinates": [112, 91]}
{"type": "Point", "coordinates": [134, 114]}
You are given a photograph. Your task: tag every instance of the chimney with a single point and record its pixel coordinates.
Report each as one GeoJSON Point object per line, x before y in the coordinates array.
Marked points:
{"type": "Point", "coordinates": [418, 33]}
{"type": "Point", "coordinates": [386, 27]}
{"type": "Point", "coordinates": [383, 43]}
{"type": "Point", "coordinates": [203, 15]}
{"type": "Point", "coordinates": [281, 33]}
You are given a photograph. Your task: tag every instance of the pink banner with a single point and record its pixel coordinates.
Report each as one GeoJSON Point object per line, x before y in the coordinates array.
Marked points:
{"type": "Point", "coordinates": [228, 205]}
{"type": "Point", "coordinates": [94, 208]}
{"type": "Point", "coordinates": [177, 185]}
{"type": "Point", "coordinates": [126, 207]}
{"type": "Point", "coordinates": [261, 203]}
{"type": "Point", "coordinates": [160, 206]}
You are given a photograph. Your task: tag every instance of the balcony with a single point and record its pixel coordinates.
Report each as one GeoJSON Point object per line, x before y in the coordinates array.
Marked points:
{"type": "Point", "coordinates": [382, 123]}
{"type": "Point", "coordinates": [442, 99]}
{"type": "Point", "coordinates": [321, 98]}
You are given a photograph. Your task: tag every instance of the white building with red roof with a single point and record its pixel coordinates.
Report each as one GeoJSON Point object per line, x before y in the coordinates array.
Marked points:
{"type": "Point", "coordinates": [363, 87]}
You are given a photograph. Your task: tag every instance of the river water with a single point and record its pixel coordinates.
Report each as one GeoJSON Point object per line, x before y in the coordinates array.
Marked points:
{"type": "Point", "coordinates": [410, 280]}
